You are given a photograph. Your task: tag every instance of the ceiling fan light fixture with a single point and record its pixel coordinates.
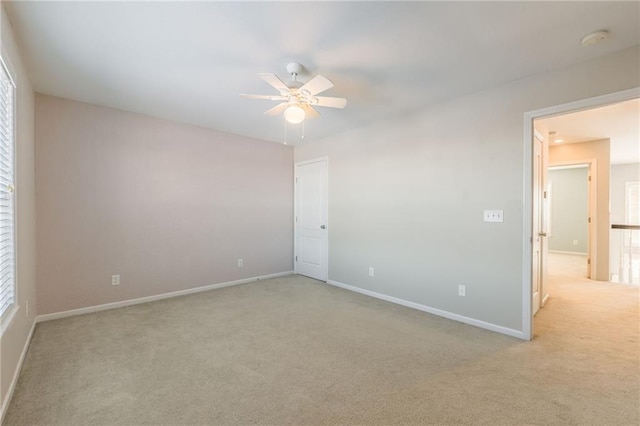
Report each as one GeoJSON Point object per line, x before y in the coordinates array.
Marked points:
{"type": "Point", "coordinates": [294, 114]}
{"type": "Point", "coordinates": [298, 99]}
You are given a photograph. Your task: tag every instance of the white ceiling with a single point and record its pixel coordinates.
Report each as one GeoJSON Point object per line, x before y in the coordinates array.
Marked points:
{"type": "Point", "coordinates": [619, 122]}
{"type": "Point", "coordinates": [189, 61]}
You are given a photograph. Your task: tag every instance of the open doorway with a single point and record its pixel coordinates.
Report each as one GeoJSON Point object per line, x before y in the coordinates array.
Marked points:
{"type": "Point", "coordinates": [569, 220]}
{"type": "Point", "coordinates": [596, 150]}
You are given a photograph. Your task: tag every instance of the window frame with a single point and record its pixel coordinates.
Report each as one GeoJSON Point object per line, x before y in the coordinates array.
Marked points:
{"type": "Point", "coordinates": [7, 316]}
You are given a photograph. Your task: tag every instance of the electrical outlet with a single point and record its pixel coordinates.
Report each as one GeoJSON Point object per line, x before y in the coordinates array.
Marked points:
{"type": "Point", "coordinates": [371, 271]}
{"type": "Point", "coordinates": [462, 290]}
{"type": "Point", "coordinates": [115, 279]}
{"type": "Point", "coordinates": [575, 242]}
{"type": "Point", "coordinates": [240, 263]}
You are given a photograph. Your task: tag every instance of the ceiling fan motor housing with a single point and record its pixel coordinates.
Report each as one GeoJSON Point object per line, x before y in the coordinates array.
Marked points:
{"type": "Point", "coordinates": [294, 68]}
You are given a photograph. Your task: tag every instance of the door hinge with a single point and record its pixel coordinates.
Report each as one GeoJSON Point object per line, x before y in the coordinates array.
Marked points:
{"type": "Point", "coordinates": [296, 180]}
{"type": "Point", "coordinates": [589, 221]}
{"type": "Point", "coordinates": [588, 261]}
{"type": "Point", "coordinates": [589, 178]}
{"type": "Point", "coordinates": [296, 218]}
{"type": "Point", "coordinates": [296, 258]}
{"type": "Point", "coordinates": [545, 194]}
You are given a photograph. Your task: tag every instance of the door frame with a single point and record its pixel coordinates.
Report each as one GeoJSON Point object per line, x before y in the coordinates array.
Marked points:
{"type": "Point", "coordinates": [592, 198]}
{"type": "Point", "coordinates": [528, 216]}
{"type": "Point", "coordinates": [325, 253]}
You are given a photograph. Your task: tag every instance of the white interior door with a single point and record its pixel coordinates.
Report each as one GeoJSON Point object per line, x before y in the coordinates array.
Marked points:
{"type": "Point", "coordinates": [540, 210]}
{"type": "Point", "coordinates": [311, 186]}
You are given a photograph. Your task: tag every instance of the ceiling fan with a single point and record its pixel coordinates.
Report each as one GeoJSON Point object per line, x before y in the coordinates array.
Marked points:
{"type": "Point", "coordinates": [298, 99]}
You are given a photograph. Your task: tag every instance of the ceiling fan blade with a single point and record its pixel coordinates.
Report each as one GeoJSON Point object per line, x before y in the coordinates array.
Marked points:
{"type": "Point", "coordinates": [274, 81]}
{"type": "Point", "coordinates": [324, 101]}
{"type": "Point", "coordinates": [277, 109]}
{"type": "Point", "coordinates": [309, 111]}
{"type": "Point", "coordinates": [268, 97]}
{"type": "Point", "coordinates": [316, 85]}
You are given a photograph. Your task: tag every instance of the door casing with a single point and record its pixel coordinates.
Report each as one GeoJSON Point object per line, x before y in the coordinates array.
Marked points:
{"type": "Point", "coordinates": [528, 216]}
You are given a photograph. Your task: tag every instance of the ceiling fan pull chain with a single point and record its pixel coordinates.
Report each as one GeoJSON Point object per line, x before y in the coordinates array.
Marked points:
{"type": "Point", "coordinates": [285, 131]}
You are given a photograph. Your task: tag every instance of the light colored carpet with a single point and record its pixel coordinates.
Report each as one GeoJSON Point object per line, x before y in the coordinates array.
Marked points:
{"type": "Point", "coordinates": [296, 351]}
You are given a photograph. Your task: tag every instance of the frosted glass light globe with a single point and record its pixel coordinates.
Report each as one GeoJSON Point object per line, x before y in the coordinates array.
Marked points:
{"type": "Point", "coordinates": [294, 114]}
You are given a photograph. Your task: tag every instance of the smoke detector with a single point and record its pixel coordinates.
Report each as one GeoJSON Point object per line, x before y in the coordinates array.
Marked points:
{"type": "Point", "coordinates": [594, 38]}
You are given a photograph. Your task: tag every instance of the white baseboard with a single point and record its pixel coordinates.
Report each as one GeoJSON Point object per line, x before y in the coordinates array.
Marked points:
{"type": "Point", "coordinates": [575, 253]}
{"type": "Point", "coordinates": [16, 374]}
{"type": "Point", "coordinates": [121, 304]}
{"type": "Point", "coordinates": [439, 312]}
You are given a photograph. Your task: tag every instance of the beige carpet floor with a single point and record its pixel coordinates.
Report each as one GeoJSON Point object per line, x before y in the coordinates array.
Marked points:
{"type": "Point", "coordinates": [296, 351]}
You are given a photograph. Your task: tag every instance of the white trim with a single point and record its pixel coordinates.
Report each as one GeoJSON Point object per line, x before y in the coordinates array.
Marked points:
{"type": "Point", "coordinates": [439, 312]}
{"type": "Point", "coordinates": [130, 302]}
{"type": "Point", "coordinates": [16, 374]}
{"type": "Point", "coordinates": [573, 253]}
{"type": "Point", "coordinates": [545, 299]}
{"type": "Point", "coordinates": [538, 135]}
{"type": "Point", "coordinates": [295, 213]}
{"type": "Point", "coordinates": [584, 104]}
{"type": "Point", "coordinates": [569, 167]}
{"type": "Point", "coordinates": [610, 98]}
{"type": "Point", "coordinates": [527, 227]}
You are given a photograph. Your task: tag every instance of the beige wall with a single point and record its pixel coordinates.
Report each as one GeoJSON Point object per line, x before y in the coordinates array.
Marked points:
{"type": "Point", "coordinates": [407, 195]}
{"type": "Point", "coordinates": [620, 175]}
{"type": "Point", "coordinates": [600, 150]}
{"type": "Point", "coordinates": [166, 206]}
{"type": "Point", "coordinates": [14, 338]}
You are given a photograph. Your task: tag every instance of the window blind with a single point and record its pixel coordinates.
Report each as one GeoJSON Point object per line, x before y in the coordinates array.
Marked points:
{"type": "Point", "coordinates": [632, 198]}
{"type": "Point", "coordinates": [7, 245]}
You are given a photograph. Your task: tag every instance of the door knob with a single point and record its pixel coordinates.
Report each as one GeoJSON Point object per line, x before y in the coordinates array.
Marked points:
{"type": "Point", "coordinates": [322, 227]}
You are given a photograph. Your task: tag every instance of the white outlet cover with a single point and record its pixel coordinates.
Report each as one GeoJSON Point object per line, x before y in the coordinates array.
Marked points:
{"type": "Point", "coordinates": [115, 279]}
{"type": "Point", "coordinates": [495, 216]}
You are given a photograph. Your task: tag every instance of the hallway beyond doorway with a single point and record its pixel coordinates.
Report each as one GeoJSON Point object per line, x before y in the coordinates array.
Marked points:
{"type": "Point", "coordinates": [567, 265]}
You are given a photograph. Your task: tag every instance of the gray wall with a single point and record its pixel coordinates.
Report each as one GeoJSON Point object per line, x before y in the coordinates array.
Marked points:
{"type": "Point", "coordinates": [14, 337]}
{"type": "Point", "coordinates": [407, 195]}
{"type": "Point", "coordinates": [569, 210]}
{"type": "Point", "coordinates": [165, 205]}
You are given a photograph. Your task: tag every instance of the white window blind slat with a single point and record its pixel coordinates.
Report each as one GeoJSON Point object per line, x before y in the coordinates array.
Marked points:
{"type": "Point", "coordinates": [7, 219]}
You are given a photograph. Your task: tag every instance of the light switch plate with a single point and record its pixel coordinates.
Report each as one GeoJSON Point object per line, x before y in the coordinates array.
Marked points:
{"type": "Point", "coordinates": [494, 216]}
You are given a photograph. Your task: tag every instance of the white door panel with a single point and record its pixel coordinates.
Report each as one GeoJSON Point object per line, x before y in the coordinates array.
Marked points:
{"type": "Point", "coordinates": [540, 213]}
{"type": "Point", "coordinates": [311, 251]}
{"type": "Point", "coordinates": [311, 219]}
